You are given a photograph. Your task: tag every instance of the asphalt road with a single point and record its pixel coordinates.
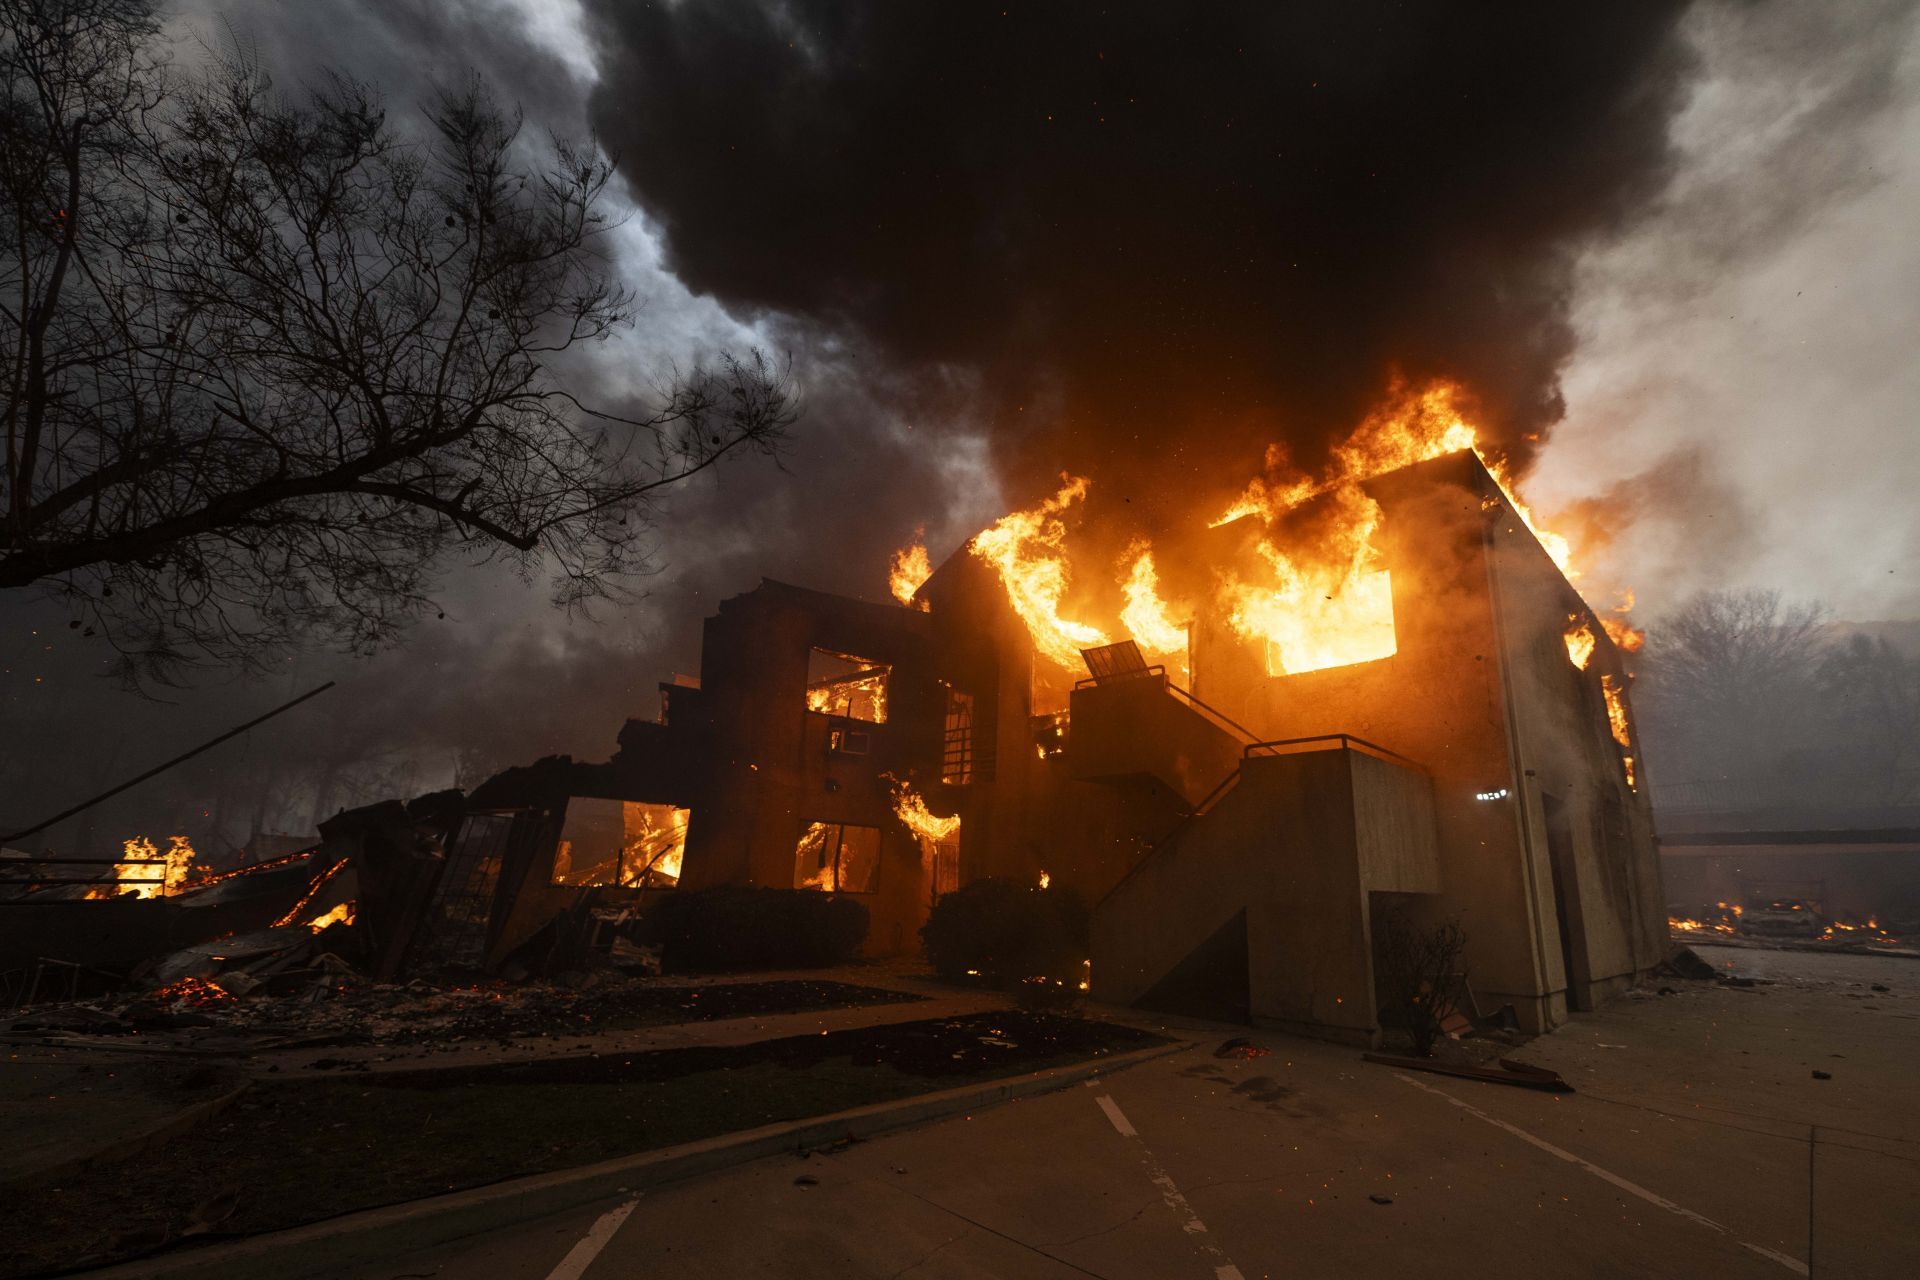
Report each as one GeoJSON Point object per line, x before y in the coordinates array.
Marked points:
{"type": "Point", "coordinates": [1699, 1144]}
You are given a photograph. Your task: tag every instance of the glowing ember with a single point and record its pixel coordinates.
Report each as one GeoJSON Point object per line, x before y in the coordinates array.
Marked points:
{"type": "Point", "coordinates": [1026, 549]}
{"type": "Point", "coordinates": [1146, 616]}
{"type": "Point", "coordinates": [342, 913]}
{"type": "Point", "coordinates": [909, 569]}
{"type": "Point", "coordinates": [1580, 641]}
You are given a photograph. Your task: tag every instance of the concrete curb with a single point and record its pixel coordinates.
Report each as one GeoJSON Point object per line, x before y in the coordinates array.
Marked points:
{"type": "Point", "coordinates": [323, 1249]}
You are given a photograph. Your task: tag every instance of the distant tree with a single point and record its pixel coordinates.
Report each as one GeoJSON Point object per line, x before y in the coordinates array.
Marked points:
{"type": "Point", "coordinates": [1871, 697]}
{"type": "Point", "coordinates": [270, 366]}
{"type": "Point", "coordinates": [1730, 679]}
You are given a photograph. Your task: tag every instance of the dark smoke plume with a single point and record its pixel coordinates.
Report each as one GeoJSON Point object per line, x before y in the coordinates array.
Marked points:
{"type": "Point", "coordinates": [1165, 234]}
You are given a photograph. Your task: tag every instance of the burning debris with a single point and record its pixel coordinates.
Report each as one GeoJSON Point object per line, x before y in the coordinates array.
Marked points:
{"type": "Point", "coordinates": [1780, 922]}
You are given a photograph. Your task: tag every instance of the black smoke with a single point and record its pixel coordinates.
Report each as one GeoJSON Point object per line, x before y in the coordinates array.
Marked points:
{"type": "Point", "coordinates": [1164, 234]}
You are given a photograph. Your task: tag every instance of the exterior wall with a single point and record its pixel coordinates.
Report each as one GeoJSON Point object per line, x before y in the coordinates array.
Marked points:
{"type": "Point", "coordinates": [769, 768]}
{"type": "Point", "coordinates": [1473, 694]}
{"type": "Point", "coordinates": [1573, 779]}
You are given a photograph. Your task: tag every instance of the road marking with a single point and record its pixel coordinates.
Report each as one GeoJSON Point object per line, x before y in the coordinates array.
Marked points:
{"type": "Point", "coordinates": [581, 1256]}
{"type": "Point", "coordinates": [1632, 1188]}
{"type": "Point", "coordinates": [1176, 1200]}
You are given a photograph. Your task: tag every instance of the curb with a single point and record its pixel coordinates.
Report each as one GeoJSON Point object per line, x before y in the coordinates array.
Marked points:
{"type": "Point", "coordinates": [327, 1248]}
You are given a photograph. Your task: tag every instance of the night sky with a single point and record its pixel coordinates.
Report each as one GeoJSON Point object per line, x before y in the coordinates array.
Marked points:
{"type": "Point", "coordinates": [1667, 248]}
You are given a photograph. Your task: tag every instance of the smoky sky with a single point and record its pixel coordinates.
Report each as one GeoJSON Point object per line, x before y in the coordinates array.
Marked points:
{"type": "Point", "coordinates": [1166, 234]}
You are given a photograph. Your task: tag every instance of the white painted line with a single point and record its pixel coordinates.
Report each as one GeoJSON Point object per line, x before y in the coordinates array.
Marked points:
{"type": "Point", "coordinates": [1171, 1193]}
{"type": "Point", "coordinates": [1631, 1188]}
{"type": "Point", "coordinates": [1120, 1121]}
{"type": "Point", "coordinates": [581, 1256]}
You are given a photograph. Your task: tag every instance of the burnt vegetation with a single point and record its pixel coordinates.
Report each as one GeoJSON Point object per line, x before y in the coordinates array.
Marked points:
{"type": "Point", "coordinates": [274, 359]}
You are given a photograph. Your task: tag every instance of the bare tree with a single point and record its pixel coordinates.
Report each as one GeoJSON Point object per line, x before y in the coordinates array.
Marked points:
{"type": "Point", "coordinates": [1872, 704]}
{"type": "Point", "coordinates": [270, 366]}
{"type": "Point", "coordinates": [1729, 681]}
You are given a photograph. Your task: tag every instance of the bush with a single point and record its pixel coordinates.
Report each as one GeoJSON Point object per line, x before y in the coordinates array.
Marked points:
{"type": "Point", "coordinates": [731, 927]}
{"type": "Point", "coordinates": [1420, 976]}
{"type": "Point", "coordinates": [1007, 932]}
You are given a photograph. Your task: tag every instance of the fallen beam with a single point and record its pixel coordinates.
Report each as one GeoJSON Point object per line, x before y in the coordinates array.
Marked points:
{"type": "Point", "coordinates": [1507, 1072]}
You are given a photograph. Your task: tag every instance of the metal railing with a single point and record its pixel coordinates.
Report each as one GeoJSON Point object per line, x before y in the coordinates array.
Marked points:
{"type": "Point", "coordinates": [1346, 740]}
{"type": "Point", "coordinates": [1253, 749]}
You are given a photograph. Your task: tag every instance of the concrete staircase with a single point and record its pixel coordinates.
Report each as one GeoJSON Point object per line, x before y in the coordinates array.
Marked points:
{"type": "Point", "coordinates": [1276, 866]}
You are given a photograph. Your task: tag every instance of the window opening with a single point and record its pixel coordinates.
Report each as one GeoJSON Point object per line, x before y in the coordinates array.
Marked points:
{"type": "Point", "coordinates": [836, 858]}
{"type": "Point", "coordinates": [956, 751]}
{"type": "Point", "coordinates": [840, 684]}
{"type": "Point", "coordinates": [616, 842]}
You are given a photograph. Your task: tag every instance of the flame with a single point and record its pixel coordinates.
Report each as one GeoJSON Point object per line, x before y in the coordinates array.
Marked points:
{"type": "Point", "coordinates": [1145, 616]}
{"type": "Point", "coordinates": [319, 883]}
{"type": "Point", "coordinates": [1026, 549]}
{"type": "Point", "coordinates": [852, 695]}
{"type": "Point", "coordinates": [1326, 604]}
{"type": "Point", "coordinates": [1045, 880]}
{"type": "Point", "coordinates": [812, 840]}
{"type": "Point", "coordinates": [141, 857]}
{"type": "Point", "coordinates": [656, 842]}
{"type": "Point", "coordinates": [1617, 721]}
{"type": "Point", "coordinates": [1627, 638]}
{"type": "Point", "coordinates": [1580, 641]}
{"type": "Point", "coordinates": [908, 570]}
{"type": "Point", "coordinates": [1324, 612]}
{"type": "Point", "coordinates": [342, 913]}
{"type": "Point", "coordinates": [911, 808]}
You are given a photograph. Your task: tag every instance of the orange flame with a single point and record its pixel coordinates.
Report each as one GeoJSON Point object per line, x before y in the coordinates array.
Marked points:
{"type": "Point", "coordinates": [342, 913]}
{"type": "Point", "coordinates": [139, 853]}
{"type": "Point", "coordinates": [1145, 616]}
{"type": "Point", "coordinates": [911, 808]}
{"type": "Point", "coordinates": [1580, 641]}
{"type": "Point", "coordinates": [1026, 548]}
{"type": "Point", "coordinates": [1617, 721]}
{"type": "Point", "coordinates": [909, 569]}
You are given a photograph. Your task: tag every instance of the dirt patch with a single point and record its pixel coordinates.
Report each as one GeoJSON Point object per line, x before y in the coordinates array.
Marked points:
{"type": "Point", "coordinates": [303, 1150]}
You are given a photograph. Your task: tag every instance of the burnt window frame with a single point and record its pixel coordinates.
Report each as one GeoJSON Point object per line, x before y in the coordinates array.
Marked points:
{"type": "Point", "coordinates": [957, 755]}
{"type": "Point", "coordinates": [841, 828]}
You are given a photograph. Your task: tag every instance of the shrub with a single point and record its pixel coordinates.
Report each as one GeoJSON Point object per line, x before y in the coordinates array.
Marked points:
{"type": "Point", "coordinates": [1420, 975]}
{"type": "Point", "coordinates": [733, 927]}
{"type": "Point", "coordinates": [1006, 932]}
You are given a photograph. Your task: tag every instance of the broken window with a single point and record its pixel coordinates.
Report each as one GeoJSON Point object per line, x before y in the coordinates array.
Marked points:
{"type": "Point", "coordinates": [840, 684]}
{"type": "Point", "coordinates": [956, 751]}
{"type": "Point", "coordinates": [620, 842]}
{"type": "Point", "coordinates": [837, 858]}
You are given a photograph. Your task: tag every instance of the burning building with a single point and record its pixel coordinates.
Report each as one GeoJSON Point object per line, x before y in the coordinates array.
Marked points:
{"type": "Point", "coordinates": [1372, 691]}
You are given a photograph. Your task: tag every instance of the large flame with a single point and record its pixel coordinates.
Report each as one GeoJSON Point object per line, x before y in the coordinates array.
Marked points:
{"type": "Point", "coordinates": [1026, 548]}
{"type": "Point", "coordinates": [1324, 601]}
{"type": "Point", "coordinates": [142, 860]}
{"type": "Point", "coordinates": [1146, 616]}
{"type": "Point", "coordinates": [656, 842]}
